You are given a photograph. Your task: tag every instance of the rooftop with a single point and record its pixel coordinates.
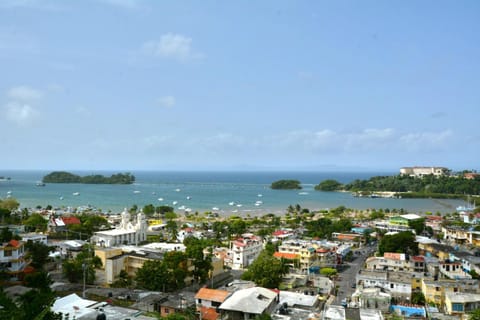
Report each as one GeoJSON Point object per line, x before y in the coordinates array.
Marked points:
{"type": "Point", "coordinates": [252, 300]}
{"type": "Point", "coordinates": [212, 294]}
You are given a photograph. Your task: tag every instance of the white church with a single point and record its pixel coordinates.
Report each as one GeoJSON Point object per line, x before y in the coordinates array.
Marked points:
{"type": "Point", "coordinates": [126, 233]}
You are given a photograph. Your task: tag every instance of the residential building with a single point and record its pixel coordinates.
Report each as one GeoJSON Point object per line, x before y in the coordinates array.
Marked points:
{"type": "Point", "coordinates": [12, 259]}
{"type": "Point", "coordinates": [243, 251]}
{"type": "Point", "coordinates": [305, 250]}
{"type": "Point", "coordinates": [461, 303]}
{"type": "Point", "coordinates": [208, 300]}
{"type": "Point", "coordinates": [371, 298]}
{"type": "Point", "coordinates": [435, 290]}
{"type": "Point", "coordinates": [35, 237]}
{"type": "Point", "coordinates": [398, 284]}
{"type": "Point", "coordinates": [333, 312]}
{"type": "Point", "coordinates": [246, 304]}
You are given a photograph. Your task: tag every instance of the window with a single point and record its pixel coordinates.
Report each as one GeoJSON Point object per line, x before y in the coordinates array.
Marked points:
{"type": "Point", "coordinates": [166, 310]}
{"type": "Point", "coordinates": [457, 307]}
{"type": "Point", "coordinates": [7, 253]}
{"type": "Point", "coordinates": [391, 285]}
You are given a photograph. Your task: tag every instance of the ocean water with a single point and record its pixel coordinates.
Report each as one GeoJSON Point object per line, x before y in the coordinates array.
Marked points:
{"type": "Point", "coordinates": [203, 191]}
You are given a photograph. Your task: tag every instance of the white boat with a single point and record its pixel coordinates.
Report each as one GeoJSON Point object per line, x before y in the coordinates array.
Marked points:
{"type": "Point", "coordinates": [188, 197]}
{"type": "Point", "coordinates": [136, 191]}
{"type": "Point", "coordinates": [160, 199]}
{"type": "Point", "coordinates": [259, 195]}
{"type": "Point", "coordinates": [9, 192]}
{"type": "Point", "coordinates": [215, 209]}
{"type": "Point", "coordinates": [257, 204]}
{"type": "Point", "coordinates": [239, 205]}
{"type": "Point", "coordinates": [174, 202]}
{"type": "Point", "coordinates": [303, 193]}
{"type": "Point", "coordinates": [76, 193]}
{"type": "Point", "coordinates": [61, 198]}
{"type": "Point", "coordinates": [40, 184]}
{"type": "Point", "coordinates": [231, 203]}
{"type": "Point", "coordinates": [177, 190]}
{"type": "Point", "coordinates": [181, 208]}
{"type": "Point", "coordinates": [188, 210]}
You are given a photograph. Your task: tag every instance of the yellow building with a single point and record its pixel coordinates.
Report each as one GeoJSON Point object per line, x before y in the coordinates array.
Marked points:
{"type": "Point", "coordinates": [436, 290]}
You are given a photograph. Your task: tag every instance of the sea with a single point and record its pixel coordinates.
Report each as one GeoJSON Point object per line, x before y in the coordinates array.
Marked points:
{"type": "Point", "coordinates": [245, 193]}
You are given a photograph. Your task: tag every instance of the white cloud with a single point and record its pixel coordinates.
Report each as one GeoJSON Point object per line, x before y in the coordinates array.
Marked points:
{"type": "Point", "coordinates": [166, 101]}
{"type": "Point", "coordinates": [170, 45]}
{"type": "Point", "coordinates": [21, 114]}
{"type": "Point", "coordinates": [24, 93]}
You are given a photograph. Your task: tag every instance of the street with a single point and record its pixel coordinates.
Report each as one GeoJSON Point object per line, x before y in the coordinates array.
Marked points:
{"type": "Point", "coordinates": [346, 277]}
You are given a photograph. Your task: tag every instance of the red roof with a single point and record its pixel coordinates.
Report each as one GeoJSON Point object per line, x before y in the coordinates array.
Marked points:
{"type": "Point", "coordinates": [280, 233]}
{"type": "Point", "coordinates": [71, 220]}
{"type": "Point", "coordinates": [323, 250]}
{"type": "Point", "coordinates": [286, 255]}
{"type": "Point", "coordinates": [14, 243]}
{"type": "Point", "coordinates": [437, 218]}
{"type": "Point", "coordinates": [212, 294]}
{"type": "Point", "coordinates": [208, 313]}
{"type": "Point", "coordinates": [418, 258]}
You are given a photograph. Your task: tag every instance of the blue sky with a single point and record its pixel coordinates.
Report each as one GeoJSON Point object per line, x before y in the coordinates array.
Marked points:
{"type": "Point", "coordinates": [200, 85]}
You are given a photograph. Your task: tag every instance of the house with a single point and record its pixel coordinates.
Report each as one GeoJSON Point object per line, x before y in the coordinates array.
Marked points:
{"type": "Point", "coordinates": [35, 237]}
{"type": "Point", "coordinates": [436, 290]}
{"type": "Point", "coordinates": [409, 311]}
{"type": "Point", "coordinates": [333, 312]}
{"type": "Point", "coordinates": [371, 298]}
{"type": "Point", "coordinates": [207, 302]}
{"type": "Point", "coordinates": [304, 249]}
{"type": "Point", "coordinates": [397, 284]}
{"type": "Point", "coordinates": [243, 251]}
{"type": "Point", "coordinates": [61, 223]}
{"type": "Point", "coordinates": [12, 259]}
{"type": "Point", "coordinates": [460, 303]}
{"type": "Point", "coordinates": [126, 233]}
{"type": "Point", "coordinates": [396, 262]}
{"type": "Point", "coordinates": [246, 304]}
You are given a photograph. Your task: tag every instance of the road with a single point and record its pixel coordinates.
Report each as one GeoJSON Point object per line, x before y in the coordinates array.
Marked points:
{"type": "Point", "coordinates": [347, 276]}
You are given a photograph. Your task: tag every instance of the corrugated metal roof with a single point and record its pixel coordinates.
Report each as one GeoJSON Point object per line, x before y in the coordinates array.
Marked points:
{"type": "Point", "coordinates": [212, 294]}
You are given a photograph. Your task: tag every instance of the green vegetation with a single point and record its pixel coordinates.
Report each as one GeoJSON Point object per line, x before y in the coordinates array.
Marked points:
{"type": "Point", "coordinates": [402, 242]}
{"type": "Point", "coordinates": [329, 185]}
{"type": "Point", "coordinates": [266, 271]}
{"type": "Point", "coordinates": [286, 184]}
{"type": "Point", "coordinates": [430, 186]}
{"type": "Point", "coordinates": [67, 177]}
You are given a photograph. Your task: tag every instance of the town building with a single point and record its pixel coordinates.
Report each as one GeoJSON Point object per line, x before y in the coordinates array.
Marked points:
{"type": "Point", "coordinates": [208, 300]}
{"type": "Point", "coordinates": [126, 233]}
{"type": "Point", "coordinates": [461, 303]}
{"type": "Point", "coordinates": [246, 304]}
{"type": "Point", "coordinates": [12, 259]}
{"type": "Point", "coordinates": [243, 251]}
{"type": "Point", "coordinates": [424, 171]}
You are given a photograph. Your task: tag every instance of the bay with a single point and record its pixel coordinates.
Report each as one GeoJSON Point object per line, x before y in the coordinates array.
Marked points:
{"type": "Point", "coordinates": [238, 193]}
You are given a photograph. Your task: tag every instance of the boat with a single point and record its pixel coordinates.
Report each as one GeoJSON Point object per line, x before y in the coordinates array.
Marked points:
{"type": "Point", "coordinates": [188, 210]}
{"type": "Point", "coordinates": [303, 193]}
{"type": "Point", "coordinates": [40, 184]}
{"type": "Point", "coordinates": [160, 199]}
{"type": "Point", "coordinates": [467, 207]}
{"type": "Point", "coordinates": [177, 190]}
{"type": "Point", "coordinates": [136, 191]}
{"type": "Point", "coordinates": [259, 195]}
{"type": "Point", "coordinates": [174, 202]}
{"type": "Point", "coordinates": [181, 208]}
{"type": "Point", "coordinates": [188, 197]}
{"type": "Point", "coordinates": [215, 209]}
{"type": "Point", "coordinates": [9, 192]}
{"type": "Point", "coordinates": [76, 193]}
{"type": "Point", "coordinates": [61, 198]}
{"type": "Point", "coordinates": [231, 203]}
{"type": "Point", "coordinates": [239, 205]}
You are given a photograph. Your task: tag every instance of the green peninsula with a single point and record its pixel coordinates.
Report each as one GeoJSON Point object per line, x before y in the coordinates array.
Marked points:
{"type": "Point", "coordinates": [67, 177]}
{"type": "Point", "coordinates": [286, 184]}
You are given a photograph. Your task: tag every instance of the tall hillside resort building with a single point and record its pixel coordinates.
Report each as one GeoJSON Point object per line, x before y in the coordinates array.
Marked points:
{"type": "Point", "coordinates": [424, 171]}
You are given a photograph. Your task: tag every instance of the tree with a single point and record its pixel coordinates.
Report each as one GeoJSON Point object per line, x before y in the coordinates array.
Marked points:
{"type": "Point", "coordinates": [418, 298]}
{"type": "Point", "coordinates": [266, 271]}
{"type": "Point", "coordinates": [418, 225]}
{"type": "Point", "coordinates": [328, 272]}
{"type": "Point", "coordinates": [202, 263]}
{"type": "Point", "coordinates": [474, 315]}
{"type": "Point", "coordinates": [328, 185]}
{"type": "Point", "coordinates": [149, 210]}
{"type": "Point", "coordinates": [37, 222]}
{"type": "Point", "coordinates": [123, 281]}
{"type": "Point", "coordinates": [38, 253]}
{"type": "Point", "coordinates": [153, 275]}
{"type": "Point", "coordinates": [10, 204]}
{"type": "Point", "coordinates": [84, 263]}
{"type": "Point", "coordinates": [402, 242]}
{"type": "Point", "coordinates": [172, 229]}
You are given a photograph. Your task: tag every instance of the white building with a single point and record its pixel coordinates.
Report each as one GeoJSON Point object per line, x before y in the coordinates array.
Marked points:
{"type": "Point", "coordinates": [243, 251]}
{"type": "Point", "coordinates": [125, 233]}
{"type": "Point", "coordinates": [424, 171]}
{"type": "Point", "coordinates": [12, 258]}
{"type": "Point", "coordinates": [35, 237]}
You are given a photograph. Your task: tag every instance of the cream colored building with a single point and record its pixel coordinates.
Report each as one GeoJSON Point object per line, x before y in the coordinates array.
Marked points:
{"type": "Point", "coordinates": [424, 171]}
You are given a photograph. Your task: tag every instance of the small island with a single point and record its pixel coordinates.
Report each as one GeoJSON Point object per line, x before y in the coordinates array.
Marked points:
{"type": "Point", "coordinates": [286, 184]}
{"type": "Point", "coordinates": [67, 177]}
{"type": "Point", "coordinates": [329, 185]}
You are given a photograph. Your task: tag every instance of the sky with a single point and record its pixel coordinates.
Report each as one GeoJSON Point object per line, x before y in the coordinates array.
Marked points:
{"type": "Point", "coordinates": [239, 85]}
